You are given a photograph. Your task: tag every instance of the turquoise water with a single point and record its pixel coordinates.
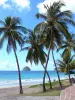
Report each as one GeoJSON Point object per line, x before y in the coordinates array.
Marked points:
{"type": "Point", "coordinates": [10, 78]}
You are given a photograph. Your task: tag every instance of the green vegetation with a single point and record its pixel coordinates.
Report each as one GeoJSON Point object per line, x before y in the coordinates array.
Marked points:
{"type": "Point", "coordinates": [67, 62]}
{"type": "Point", "coordinates": [50, 92]}
{"type": "Point", "coordinates": [47, 93]}
{"type": "Point", "coordinates": [54, 84]}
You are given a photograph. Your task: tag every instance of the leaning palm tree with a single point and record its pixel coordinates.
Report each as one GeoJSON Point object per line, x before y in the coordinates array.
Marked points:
{"type": "Point", "coordinates": [54, 25]}
{"type": "Point", "coordinates": [12, 32]}
{"type": "Point", "coordinates": [36, 53]}
{"type": "Point", "coordinates": [67, 63]}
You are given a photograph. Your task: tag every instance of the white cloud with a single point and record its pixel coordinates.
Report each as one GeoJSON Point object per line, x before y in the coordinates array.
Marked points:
{"type": "Point", "coordinates": [21, 4]}
{"type": "Point", "coordinates": [6, 65]}
{"type": "Point", "coordinates": [17, 4]}
{"type": "Point", "coordinates": [70, 5]}
{"type": "Point", "coordinates": [4, 4]}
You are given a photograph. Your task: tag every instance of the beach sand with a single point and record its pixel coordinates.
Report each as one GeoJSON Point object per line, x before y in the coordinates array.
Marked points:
{"type": "Point", "coordinates": [13, 94]}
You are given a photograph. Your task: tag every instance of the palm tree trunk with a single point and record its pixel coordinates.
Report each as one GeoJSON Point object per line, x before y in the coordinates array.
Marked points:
{"type": "Point", "coordinates": [44, 88]}
{"type": "Point", "coordinates": [69, 75]}
{"type": "Point", "coordinates": [56, 69]}
{"type": "Point", "coordinates": [20, 84]}
{"type": "Point", "coordinates": [48, 78]}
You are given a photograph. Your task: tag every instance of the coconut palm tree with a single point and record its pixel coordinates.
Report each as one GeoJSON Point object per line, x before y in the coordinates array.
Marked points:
{"type": "Point", "coordinates": [11, 31]}
{"type": "Point", "coordinates": [36, 53]}
{"type": "Point", "coordinates": [67, 63]}
{"type": "Point", "coordinates": [66, 44]}
{"type": "Point", "coordinates": [67, 47]}
{"type": "Point", "coordinates": [54, 25]}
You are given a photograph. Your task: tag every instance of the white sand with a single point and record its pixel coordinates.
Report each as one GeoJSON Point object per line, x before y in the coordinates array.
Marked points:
{"type": "Point", "coordinates": [30, 98]}
{"type": "Point", "coordinates": [13, 94]}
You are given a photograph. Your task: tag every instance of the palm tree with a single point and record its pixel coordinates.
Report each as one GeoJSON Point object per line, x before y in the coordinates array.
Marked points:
{"type": "Point", "coordinates": [36, 53]}
{"type": "Point", "coordinates": [67, 47]}
{"type": "Point", "coordinates": [54, 25]}
{"type": "Point", "coordinates": [67, 63]}
{"type": "Point", "coordinates": [12, 32]}
{"type": "Point", "coordinates": [67, 44]}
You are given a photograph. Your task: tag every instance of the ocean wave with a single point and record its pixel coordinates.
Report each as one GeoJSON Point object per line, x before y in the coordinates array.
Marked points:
{"type": "Point", "coordinates": [11, 83]}
{"type": "Point", "coordinates": [16, 82]}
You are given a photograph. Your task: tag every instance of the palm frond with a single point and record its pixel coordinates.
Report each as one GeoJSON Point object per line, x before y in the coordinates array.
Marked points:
{"type": "Point", "coordinates": [2, 29]}
{"type": "Point", "coordinates": [26, 48]}
{"type": "Point", "coordinates": [71, 59]}
{"type": "Point", "coordinates": [63, 30]}
{"type": "Point", "coordinates": [69, 21]}
{"type": "Point", "coordinates": [2, 23]}
{"type": "Point", "coordinates": [16, 20]}
{"type": "Point", "coordinates": [2, 40]}
{"type": "Point", "coordinates": [41, 16]}
{"type": "Point", "coordinates": [66, 13]}
{"type": "Point", "coordinates": [22, 29]}
{"type": "Point", "coordinates": [29, 56]}
{"type": "Point", "coordinates": [61, 47]}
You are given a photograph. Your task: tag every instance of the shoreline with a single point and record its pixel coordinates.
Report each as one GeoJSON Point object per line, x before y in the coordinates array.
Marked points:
{"type": "Point", "coordinates": [27, 82]}
{"type": "Point", "coordinates": [9, 93]}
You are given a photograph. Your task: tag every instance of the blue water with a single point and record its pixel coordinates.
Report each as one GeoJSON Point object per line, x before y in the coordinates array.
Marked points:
{"type": "Point", "coordinates": [13, 75]}
{"type": "Point", "coordinates": [10, 78]}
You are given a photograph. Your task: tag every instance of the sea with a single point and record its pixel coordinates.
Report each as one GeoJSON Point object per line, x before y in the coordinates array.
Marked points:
{"type": "Point", "coordinates": [10, 78]}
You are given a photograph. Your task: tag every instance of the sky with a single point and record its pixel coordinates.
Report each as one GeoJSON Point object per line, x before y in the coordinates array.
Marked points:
{"type": "Point", "coordinates": [26, 10]}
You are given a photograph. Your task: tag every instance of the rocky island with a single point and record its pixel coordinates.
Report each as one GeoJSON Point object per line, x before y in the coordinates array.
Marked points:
{"type": "Point", "coordinates": [26, 68]}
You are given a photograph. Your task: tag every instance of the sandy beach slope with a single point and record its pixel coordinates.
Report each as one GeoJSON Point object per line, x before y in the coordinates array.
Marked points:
{"type": "Point", "coordinates": [13, 94]}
